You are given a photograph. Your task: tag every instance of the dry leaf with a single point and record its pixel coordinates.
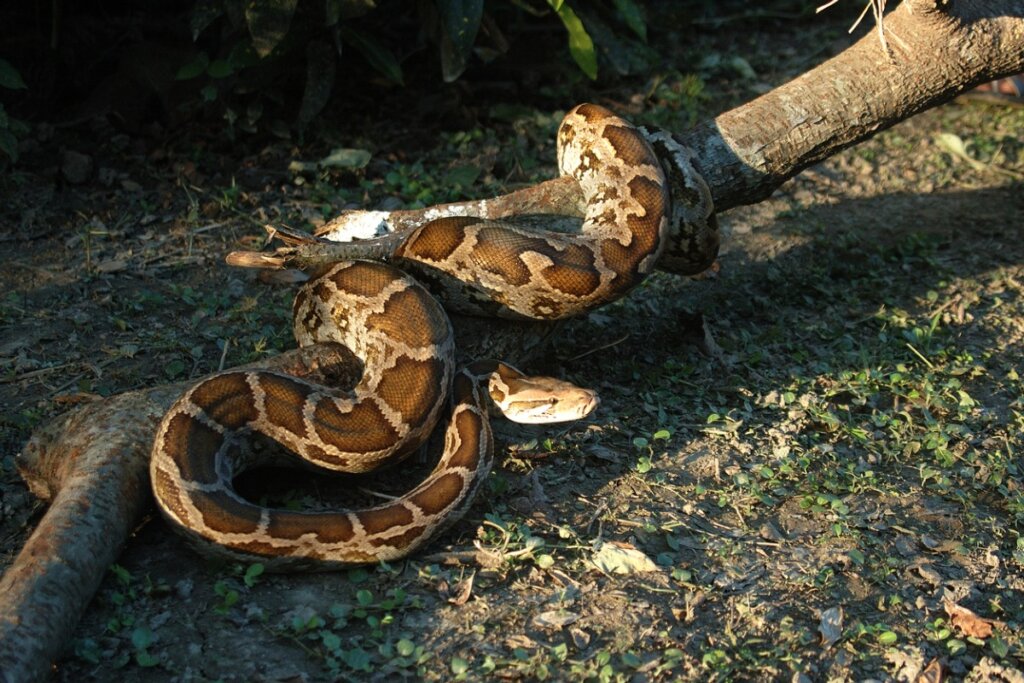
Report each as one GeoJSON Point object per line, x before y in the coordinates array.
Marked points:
{"type": "Point", "coordinates": [622, 558]}
{"type": "Point", "coordinates": [463, 589]}
{"type": "Point", "coordinates": [831, 626]}
{"type": "Point", "coordinates": [520, 640]}
{"type": "Point", "coordinates": [115, 265]}
{"type": "Point", "coordinates": [346, 158]}
{"type": "Point", "coordinates": [933, 673]}
{"type": "Point", "coordinates": [556, 618]}
{"type": "Point", "coordinates": [969, 623]}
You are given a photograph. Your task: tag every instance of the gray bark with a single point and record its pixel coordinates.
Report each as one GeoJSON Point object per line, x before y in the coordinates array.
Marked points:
{"type": "Point", "coordinates": [937, 50]}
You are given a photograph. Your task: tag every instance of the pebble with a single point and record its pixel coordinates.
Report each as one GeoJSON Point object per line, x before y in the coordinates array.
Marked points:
{"type": "Point", "coordinates": [76, 167]}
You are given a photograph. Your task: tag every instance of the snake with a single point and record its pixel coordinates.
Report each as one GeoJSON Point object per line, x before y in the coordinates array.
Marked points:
{"type": "Point", "coordinates": [389, 316]}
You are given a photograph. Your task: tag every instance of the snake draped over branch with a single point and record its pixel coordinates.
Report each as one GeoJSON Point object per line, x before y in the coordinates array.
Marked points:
{"type": "Point", "coordinates": [643, 205]}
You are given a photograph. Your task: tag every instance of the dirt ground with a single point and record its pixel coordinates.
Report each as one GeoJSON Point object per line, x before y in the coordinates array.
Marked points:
{"type": "Point", "coordinates": [805, 468]}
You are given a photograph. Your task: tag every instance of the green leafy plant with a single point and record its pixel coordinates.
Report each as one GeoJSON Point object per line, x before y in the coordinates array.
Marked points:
{"type": "Point", "coordinates": [10, 128]}
{"type": "Point", "coordinates": [244, 48]}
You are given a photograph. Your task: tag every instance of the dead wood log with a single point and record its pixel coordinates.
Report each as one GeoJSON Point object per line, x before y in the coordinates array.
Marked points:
{"type": "Point", "coordinates": [93, 465]}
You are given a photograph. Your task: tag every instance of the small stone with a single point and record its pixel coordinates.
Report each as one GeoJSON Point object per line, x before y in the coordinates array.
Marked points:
{"type": "Point", "coordinates": [184, 588]}
{"type": "Point", "coordinates": [76, 167]}
{"type": "Point", "coordinates": [580, 638]}
{"type": "Point", "coordinates": [770, 532]}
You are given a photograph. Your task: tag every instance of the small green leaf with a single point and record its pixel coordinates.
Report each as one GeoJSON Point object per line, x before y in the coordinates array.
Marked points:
{"type": "Point", "coordinates": [682, 575]}
{"type": "Point", "coordinates": [405, 647]}
{"type": "Point", "coordinates": [631, 659]}
{"type": "Point", "coordinates": [220, 68]}
{"type": "Point", "coordinates": [146, 660]}
{"type": "Point", "coordinates": [174, 368]}
{"type": "Point", "coordinates": [633, 17]}
{"type": "Point", "coordinates": [459, 665]}
{"type": "Point", "coordinates": [887, 638]}
{"type": "Point", "coordinates": [662, 434]}
{"type": "Point", "coordinates": [330, 640]}
{"type": "Point", "coordinates": [955, 646]}
{"type": "Point", "coordinates": [545, 561]}
{"type": "Point", "coordinates": [194, 68]}
{"type": "Point", "coordinates": [378, 56]}
{"type": "Point", "coordinates": [358, 659]}
{"type": "Point", "coordinates": [364, 598]}
{"type": "Point", "coordinates": [252, 574]}
{"type": "Point", "coordinates": [464, 176]}
{"type": "Point", "coordinates": [10, 78]}
{"type": "Point", "coordinates": [580, 44]}
{"type": "Point", "coordinates": [142, 638]}
{"type": "Point", "coordinates": [122, 574]}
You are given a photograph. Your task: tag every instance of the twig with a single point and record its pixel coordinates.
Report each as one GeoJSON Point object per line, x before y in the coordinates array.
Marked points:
{"type": "Point", "coordinates": [35, 373]}
{"type": "Point", "coordinates": [601, 348]}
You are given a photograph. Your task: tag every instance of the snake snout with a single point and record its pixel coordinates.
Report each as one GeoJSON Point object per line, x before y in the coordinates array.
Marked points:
{"type": "Point", "coordinates": [548, 400]}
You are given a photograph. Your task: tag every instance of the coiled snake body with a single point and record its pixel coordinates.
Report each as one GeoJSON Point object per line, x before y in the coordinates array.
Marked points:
{"type": "Point", "coordinates": [405, 342]}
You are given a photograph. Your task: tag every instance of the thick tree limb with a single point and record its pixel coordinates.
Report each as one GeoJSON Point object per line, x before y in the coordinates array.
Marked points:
{"type": "Point", "coordinates": [938, 50]}
{"type": "Point", "coordinates": [943, 49]}
{"type": "Point", "coordinates": [93, 465]}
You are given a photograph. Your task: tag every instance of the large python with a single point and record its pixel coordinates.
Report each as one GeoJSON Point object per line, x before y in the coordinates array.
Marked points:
{"type": "Point", "coordinates": [405, 342]}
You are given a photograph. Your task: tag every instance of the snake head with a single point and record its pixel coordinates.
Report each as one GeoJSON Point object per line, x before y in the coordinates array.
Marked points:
{"type": "Point", "coordinates": [539, 400]}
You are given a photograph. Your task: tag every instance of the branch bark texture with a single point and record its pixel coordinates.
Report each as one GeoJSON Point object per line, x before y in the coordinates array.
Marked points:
{"type": "Point", "coordinates": [938, 50]}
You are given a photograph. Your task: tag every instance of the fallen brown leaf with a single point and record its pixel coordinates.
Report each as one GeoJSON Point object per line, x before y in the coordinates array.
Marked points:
{"type": "Point", "coordinates": [463, 589]}
{"type": "Point", "coordinates": [933, 673]}
{"type": "Point", "coordinates": [969, 623]}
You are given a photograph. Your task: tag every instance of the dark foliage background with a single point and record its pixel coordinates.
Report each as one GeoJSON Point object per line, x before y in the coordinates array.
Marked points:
{"type": "Point", "coordinates": [274, 65]}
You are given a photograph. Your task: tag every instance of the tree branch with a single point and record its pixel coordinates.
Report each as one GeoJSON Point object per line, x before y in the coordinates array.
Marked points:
{"type": "Point", "coordinates": [93, 465]}
{"type": "Point", "coordinates": [943, 49]}
{"type": "Point", "coordinates": [940, 49]}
